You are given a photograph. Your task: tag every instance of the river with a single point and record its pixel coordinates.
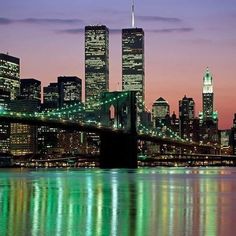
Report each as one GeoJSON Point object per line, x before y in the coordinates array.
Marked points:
{"type": "Point", "coordinates": [146, 201]}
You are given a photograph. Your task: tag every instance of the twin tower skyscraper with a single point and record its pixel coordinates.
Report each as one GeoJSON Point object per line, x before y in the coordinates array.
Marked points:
{"type": "Point", "coordinates": [97, 61]}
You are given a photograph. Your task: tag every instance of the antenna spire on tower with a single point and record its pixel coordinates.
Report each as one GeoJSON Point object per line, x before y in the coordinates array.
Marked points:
{"type": "Point", "coordinates": [133, 14]}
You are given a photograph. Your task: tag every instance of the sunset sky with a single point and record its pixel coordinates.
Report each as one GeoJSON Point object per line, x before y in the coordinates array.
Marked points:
{"type": "Point", "coordinates": [182, 38]}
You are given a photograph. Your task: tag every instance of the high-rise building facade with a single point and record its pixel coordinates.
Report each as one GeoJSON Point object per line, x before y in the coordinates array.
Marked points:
{"type": "Point", "coordinates": [51, 96]}
{"type": "Point", "coordinates": [133, 63]}
{"type": "Point", "coordinates": [96, 61]}
{"type": "Point", "coordinates": [10, 74]}
{"type": "Point", "coordinates": [70, 90]}
{"type": "Point", "coordinates": [9, 90]}
{"type": "Point", "coordinates": [30, 89]}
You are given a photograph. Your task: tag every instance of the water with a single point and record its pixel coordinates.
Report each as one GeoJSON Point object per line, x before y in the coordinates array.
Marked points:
{"type": "Point", "coordinates": [160, 201]}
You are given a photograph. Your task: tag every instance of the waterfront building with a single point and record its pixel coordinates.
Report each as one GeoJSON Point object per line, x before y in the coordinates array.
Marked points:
{"type": "Point", "coordinates": [69, 90]}
{"type": "Point", "coordinates": [9, 90]}
{"type": "Point", "coordinates": [233, 136]}
{"type": "Point", "coordinates": [4, 126]}
{"type": "Point", "coordinates": [48, 136]}
{"type": "Point", "coordinates": [133, 73]}
{"type": "Point", "coordinates": [23, 140]}
{"type": "Point", "coordinates": [225, 141]}
{"type": "Point", "coordinates": [23, 137]}
{"type": "Point", "coordinates": [70, 93]}
{"type": "Point", "coordinates": [54, 141]}
{"type": "Point", "coordinates": [96, 61]}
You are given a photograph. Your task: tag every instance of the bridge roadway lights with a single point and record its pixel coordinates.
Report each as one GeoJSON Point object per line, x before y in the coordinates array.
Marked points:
{"type": "Point", "coordinates": [118, 150]}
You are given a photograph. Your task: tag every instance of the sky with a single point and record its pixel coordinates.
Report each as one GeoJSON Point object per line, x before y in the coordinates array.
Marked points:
{"type": "Point", "coordinates": [182, 38]}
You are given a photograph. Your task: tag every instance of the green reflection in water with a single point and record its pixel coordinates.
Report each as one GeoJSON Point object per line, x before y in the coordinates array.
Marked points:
{"type": "Point", "coordinates": [117, 202]}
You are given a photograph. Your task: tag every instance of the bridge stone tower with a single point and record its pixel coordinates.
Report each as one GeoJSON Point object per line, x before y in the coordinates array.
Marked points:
{"type": "Point", "coordinates": [119, 147]}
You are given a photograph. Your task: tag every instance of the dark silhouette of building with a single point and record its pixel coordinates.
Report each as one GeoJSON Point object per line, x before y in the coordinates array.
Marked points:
{"type": "Point", "coordinates": [233, 136]}
{"type": "Point", "coordinates": [174, 123]}
{"type": "Point", "coordinates": [186, 117]}
{"type": "Point", "coordinates": [30, 89]}
{"type": "Point", "coordinates": [70, 90]}
{"type": "Point", "coordinates": [51, 96]}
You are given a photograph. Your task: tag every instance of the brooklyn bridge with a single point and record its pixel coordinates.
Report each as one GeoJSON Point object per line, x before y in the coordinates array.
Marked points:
{"type": "Point", "coordinates": [115, 118]}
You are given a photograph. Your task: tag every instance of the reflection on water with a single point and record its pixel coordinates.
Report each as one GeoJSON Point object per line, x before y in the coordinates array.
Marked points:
{"type": "Point", "coordinates": [161, 201]}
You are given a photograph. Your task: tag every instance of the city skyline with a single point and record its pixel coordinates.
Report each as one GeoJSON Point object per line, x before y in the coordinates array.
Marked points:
{"type": "Point", "coordinates": [180, 42]}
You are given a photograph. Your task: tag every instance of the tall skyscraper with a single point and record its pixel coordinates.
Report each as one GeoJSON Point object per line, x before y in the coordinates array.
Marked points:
{"type": "Point", "coordinates": [207, 96]}
{"type": "Point", "coordinates": [70, 90]}
{"type": "Point", "coordinates": [133, 60]}
{"type": "Point", "coordinates": [9, 90]}
{"type": "Point", "coordinates": [208, 117]}
{"type": "Point", "coordinates": [133, 63]}
{"type": "Point", "coordinates": [96, 61]}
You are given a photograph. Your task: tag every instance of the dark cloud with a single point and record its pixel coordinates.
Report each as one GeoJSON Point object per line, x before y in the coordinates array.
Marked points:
{"type": "Point", "coordinates": [171, 30]}
{"type": "Point", "coordinates": [50, 21]}
{"type": "Point", "coordinates": [41, 21]}
{"type": "Point", "coordinates": [159, 18]}
{"type": "Point", "coordinates": [71, 31]}
{"type": "Point", "coordinates": [81, 30]}
{"type": "Point", "coordinates": [118, 31]}
{"type": "Point", "coordinates": [5, 21]}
